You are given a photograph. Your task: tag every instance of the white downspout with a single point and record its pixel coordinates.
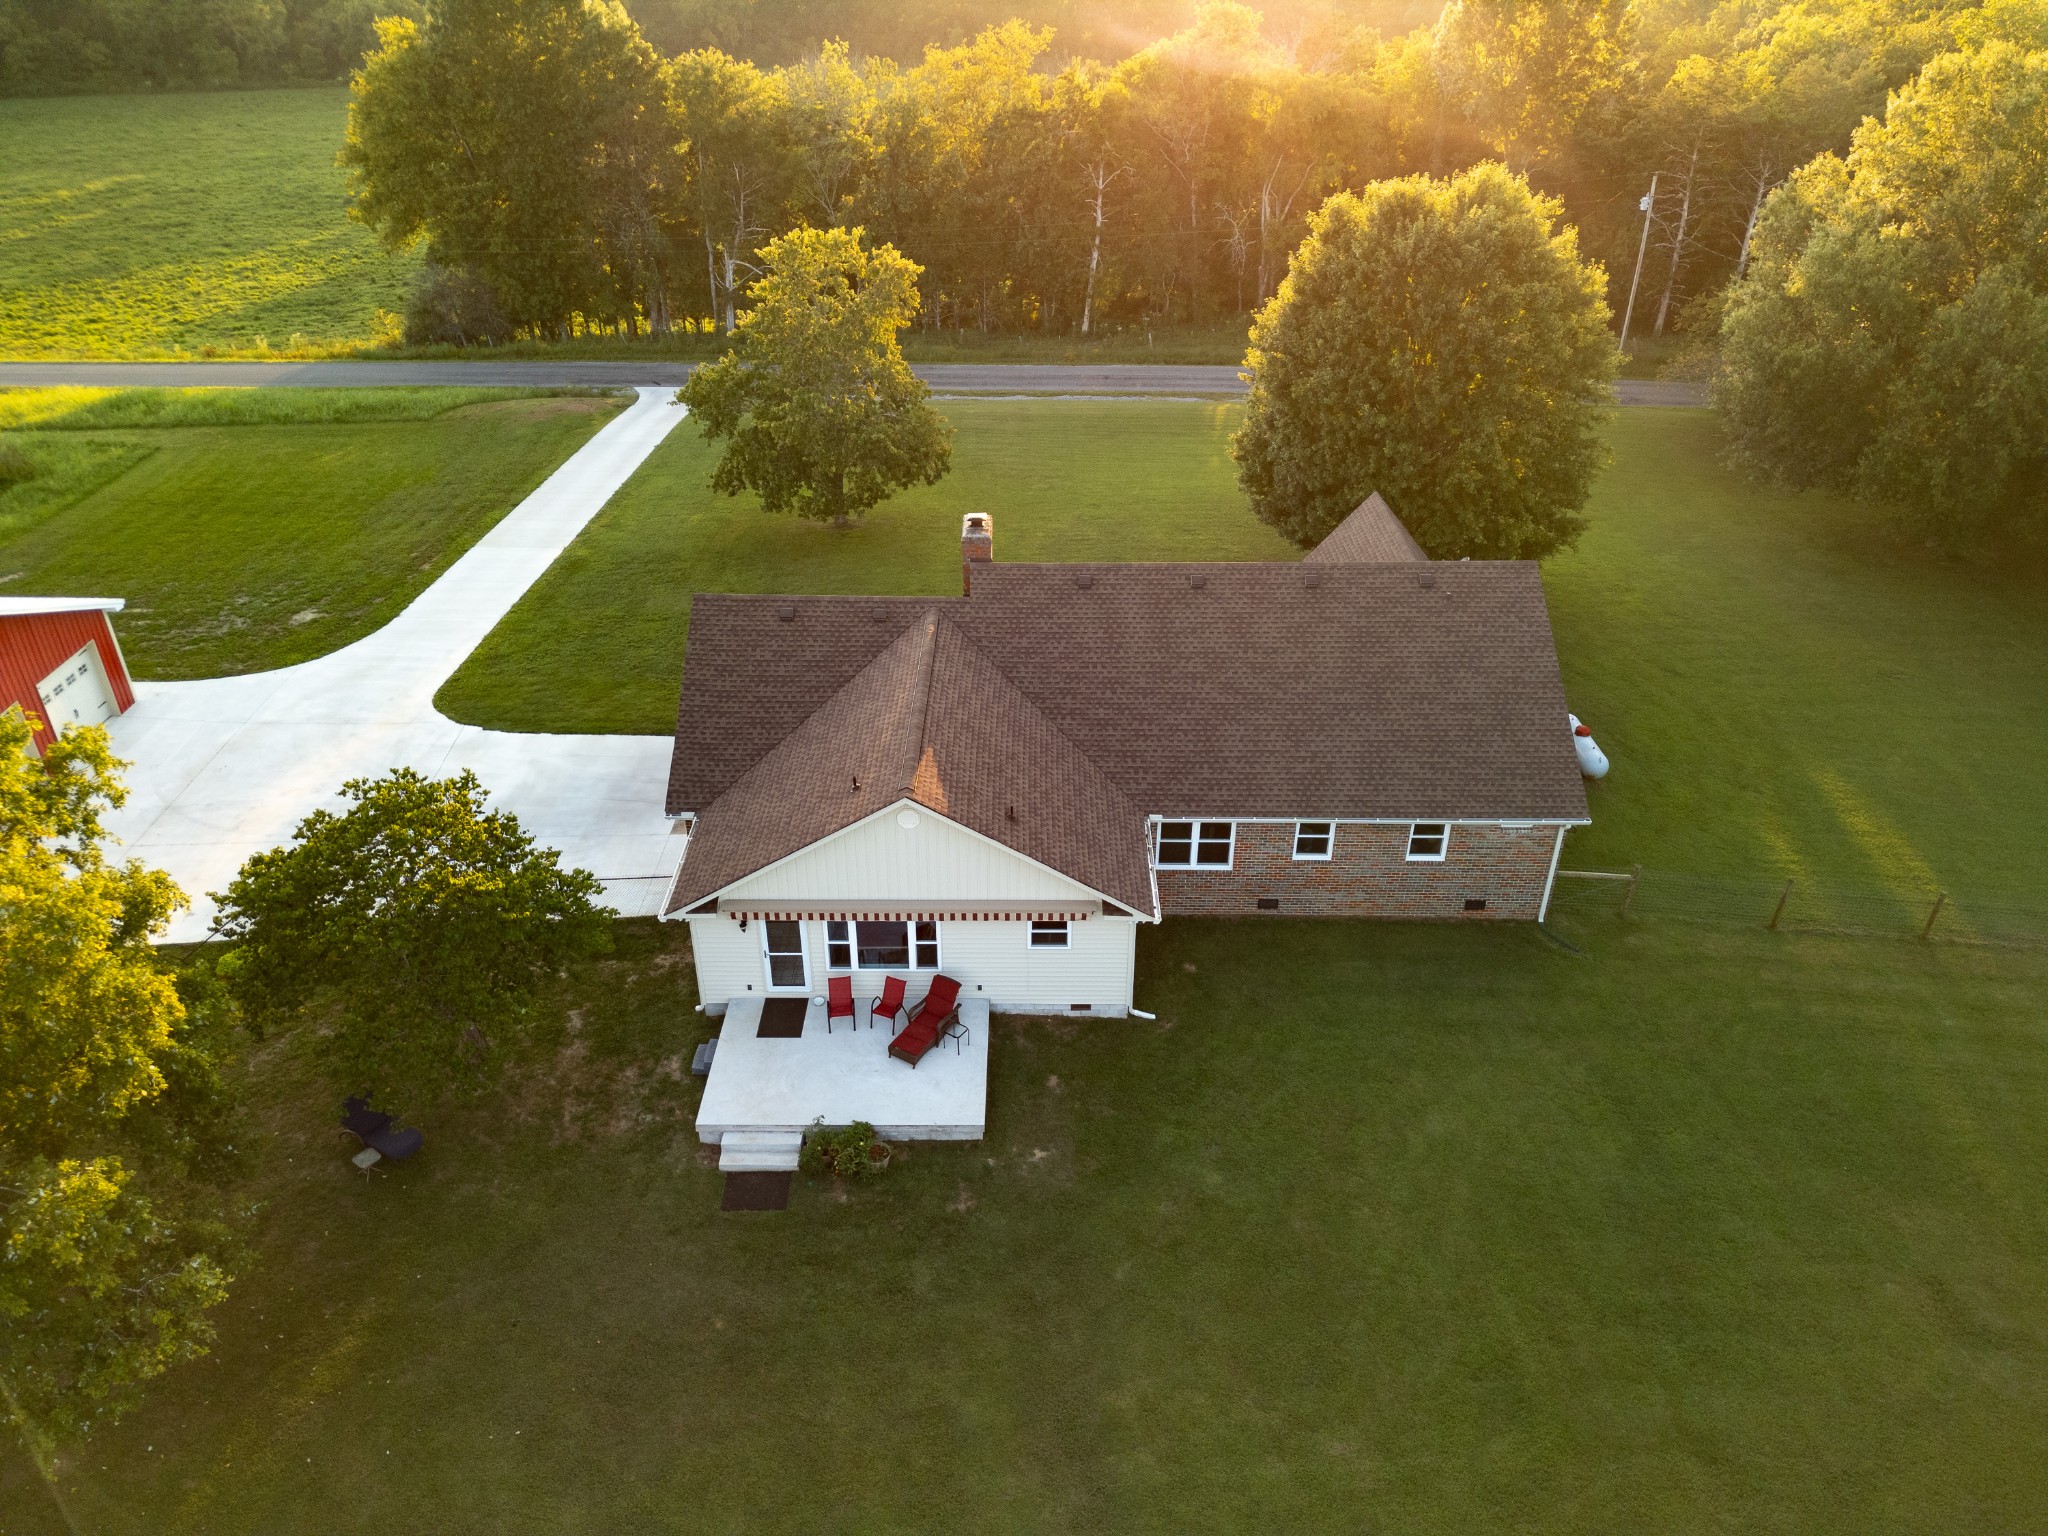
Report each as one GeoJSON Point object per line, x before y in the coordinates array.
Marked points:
{"type": "Point", "coordinates": [1550, 881]}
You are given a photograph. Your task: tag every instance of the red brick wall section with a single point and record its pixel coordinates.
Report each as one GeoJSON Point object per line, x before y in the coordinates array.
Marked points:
{"type": "Point", "coordinates": [1368, 875]}
{"type": "Point", "coordinates": [33, 645]}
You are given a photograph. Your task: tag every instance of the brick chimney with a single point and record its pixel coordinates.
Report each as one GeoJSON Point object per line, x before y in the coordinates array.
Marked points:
{"type": "Point", "coordinates": [977, 542]}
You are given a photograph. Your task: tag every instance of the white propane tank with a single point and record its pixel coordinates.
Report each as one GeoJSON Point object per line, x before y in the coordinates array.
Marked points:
{"type": "Point", "coordinates": [1592, 761]}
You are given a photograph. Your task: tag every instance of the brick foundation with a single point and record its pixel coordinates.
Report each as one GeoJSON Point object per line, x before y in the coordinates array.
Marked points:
{"type": "Point", "coordinates": [1368, 875]}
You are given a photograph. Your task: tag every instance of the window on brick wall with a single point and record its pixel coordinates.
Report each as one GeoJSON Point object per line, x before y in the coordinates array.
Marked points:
{"type": "Point", "coordinates": [1312, 839]}
{"type": "Point", "coordinates": [1194, 845]}
{"type": "Point", "coordinates": [1427, 841]}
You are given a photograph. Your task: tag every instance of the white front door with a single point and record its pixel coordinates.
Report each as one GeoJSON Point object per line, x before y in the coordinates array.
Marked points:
{"type": "Point", "coordinates": [782, 952]}
{"type": "Point", "coordinates": [77, 693]}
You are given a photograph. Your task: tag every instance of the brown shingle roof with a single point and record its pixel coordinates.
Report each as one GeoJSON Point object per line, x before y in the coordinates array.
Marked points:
{"type": "Point", "coordinates": [1337, 689]}
{"type": "Point", "coordinates": [932, 720]}
{"type": "Point", "coordinates": [1371, 533]}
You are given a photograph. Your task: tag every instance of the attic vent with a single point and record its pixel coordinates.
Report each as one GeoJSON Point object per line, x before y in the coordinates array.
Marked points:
{"type": "Point", "coordinates": [1084, 581]}
{"type": "Point", "coordinates": [1425, 579]}
{"type": "Point", "coordinates": [878, 613]}
{"type": "Point", "coordinates": [785, 611]}
{"type": "Point", "coordinates": [1312, 579]}
{"type": "Point", "coordinates": [1198, 581]}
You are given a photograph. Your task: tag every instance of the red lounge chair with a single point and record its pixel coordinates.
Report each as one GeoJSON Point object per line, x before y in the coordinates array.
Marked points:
{"type": "Point", "coordinates": [838, 999]}
{"type": "Point", "coordinates": [890, 1004]}
{"type": "Point", "coordinates": [922, 1032]}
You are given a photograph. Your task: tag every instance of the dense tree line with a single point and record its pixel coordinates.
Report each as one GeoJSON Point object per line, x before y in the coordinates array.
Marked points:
{"type": "Point", "coordinates": [557, 161]}
{"type": "Point", "coordinates": [1891, 339]}
{"type": "Point", "coordinates": [101, 45]}
{"type": "Point", "coordinates": [110, 45]}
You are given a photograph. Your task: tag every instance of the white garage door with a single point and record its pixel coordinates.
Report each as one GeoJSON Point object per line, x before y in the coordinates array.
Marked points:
{"type": "Point", "coordinates": [78, 693]}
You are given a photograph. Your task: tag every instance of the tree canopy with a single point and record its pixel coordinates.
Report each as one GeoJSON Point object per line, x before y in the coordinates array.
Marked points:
{"type": "Point", "coordinates": [412, 929]}
{"type": "Point", "coordinates": [1443, 343]}
{"type": "Point", "coordinates": [821, 415]}
{"type": "Point", "coordinates": [1891, 339]}
{"type": "Point", "coordinates": [111, 1250]}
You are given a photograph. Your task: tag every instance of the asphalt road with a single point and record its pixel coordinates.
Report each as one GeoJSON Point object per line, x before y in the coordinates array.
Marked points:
{"type": "Point", "coordinates": [984, 378]}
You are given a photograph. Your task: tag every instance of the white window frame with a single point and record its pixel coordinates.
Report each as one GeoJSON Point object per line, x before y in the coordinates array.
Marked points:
{"type": "Point", "coordinates": [1329, 836]}
{"type": "Point", "coordinates": [802, 951]}
{"type": "Point", "coordinates": [1442, 836]}
{"type": "Point", "coordinates": [1050, 933]}
{"type": "Point", "coordinates": [912, 943]}
{"type": "Point", "coordinates": [1195, 841]}
{"type": "Point", "coordinates": [844, 941]}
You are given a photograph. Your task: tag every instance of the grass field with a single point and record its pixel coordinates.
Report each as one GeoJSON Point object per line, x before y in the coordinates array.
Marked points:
{"type": "Point", "coordinates": [1379, 1228]}
{"type": "Point", "coordinates": [255, 528]}
{"type": "Point", "coordinates": [597, 645]}
{"type": "Point", "coordinates": [140, 226]}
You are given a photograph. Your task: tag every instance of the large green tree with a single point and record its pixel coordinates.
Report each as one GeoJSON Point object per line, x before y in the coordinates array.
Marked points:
{"type": "Point", "coordinates": [524, 140]}
{"type": "Point", "coordinates": [821, 415]}
{"type": "Point", "coordinates": [1443, 343]}
{"type": "Point", "coordinates": [1891, 338]}
{"type": "Point", "coordinates": [413, 930]}
{"type": "Point", "coordinates": [111, 1253]}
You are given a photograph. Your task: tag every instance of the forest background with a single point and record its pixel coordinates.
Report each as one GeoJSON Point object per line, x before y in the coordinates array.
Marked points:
{"type": "Point", "coordinates": [1055, 166]}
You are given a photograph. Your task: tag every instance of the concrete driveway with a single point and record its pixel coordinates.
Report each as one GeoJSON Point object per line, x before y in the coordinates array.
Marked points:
{"type": "Point", "coordinates": [228, 766]}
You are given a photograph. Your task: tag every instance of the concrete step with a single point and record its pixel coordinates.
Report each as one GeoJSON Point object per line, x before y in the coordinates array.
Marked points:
{"type": "Point", "coordinates": [759, 1151]}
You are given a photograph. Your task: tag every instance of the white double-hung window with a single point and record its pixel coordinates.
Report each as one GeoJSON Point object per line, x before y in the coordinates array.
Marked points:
{"type": "Point", "coordinates": [1312, 840]}
{"type": "Point", "coordinates": [883, 946]}
{"type": "Point", "coordinates": [1194, 845]}
{"type": "Point", "coordinates": [1427, 841]}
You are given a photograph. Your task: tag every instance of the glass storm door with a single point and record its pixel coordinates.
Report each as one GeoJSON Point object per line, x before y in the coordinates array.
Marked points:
{"type": "Point", "coordinates": [782, 942]}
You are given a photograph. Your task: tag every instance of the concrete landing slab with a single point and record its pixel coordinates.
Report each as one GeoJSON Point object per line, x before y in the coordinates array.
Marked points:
{"type": "Point", "coordinates": [846, 1075]}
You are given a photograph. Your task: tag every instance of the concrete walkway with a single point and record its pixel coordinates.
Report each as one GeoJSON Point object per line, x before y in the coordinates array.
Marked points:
{"type": "Point", "coordinates": [226, 767]}
{"type": "Point", "coordinates": [953, 378]}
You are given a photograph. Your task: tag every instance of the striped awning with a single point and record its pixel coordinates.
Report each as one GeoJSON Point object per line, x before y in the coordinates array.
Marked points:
{"type": "Point", "coordinates": [923, 912]}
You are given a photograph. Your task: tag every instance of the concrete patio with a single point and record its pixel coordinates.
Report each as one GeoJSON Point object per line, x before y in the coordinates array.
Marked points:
{"type": "Point", "coordinates": [227, 767]}
{"type": "Point", "coordinates": [782, 1086]}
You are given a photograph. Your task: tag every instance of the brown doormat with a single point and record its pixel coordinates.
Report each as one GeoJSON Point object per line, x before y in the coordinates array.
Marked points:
{"type": "Point", "coordinates": [756, 1192]}
{"type": "Point", "coordinates": [782, 1018]}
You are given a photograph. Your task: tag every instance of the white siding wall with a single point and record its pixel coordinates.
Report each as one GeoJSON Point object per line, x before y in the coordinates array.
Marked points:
{"type": "Point", "coordinates": [991, 960]}
{"type": "Point", "coordinates": [881, 860]}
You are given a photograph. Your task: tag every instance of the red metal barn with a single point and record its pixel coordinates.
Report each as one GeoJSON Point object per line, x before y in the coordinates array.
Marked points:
{"type": "Point", "coordinates": [59, 662]}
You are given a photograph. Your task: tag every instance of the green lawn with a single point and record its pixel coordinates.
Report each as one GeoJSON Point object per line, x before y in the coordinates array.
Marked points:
{"type": "Point", "coordinates": [255, 528]}
{"type": "Point", "coordinates": [597, 645]}
{"type": "Point", "coordinates": [1787, 691]}
{"type": "Point", "coordinates": [1379, 1227]}
{"type": "Point", "coordinates": [139, 226]}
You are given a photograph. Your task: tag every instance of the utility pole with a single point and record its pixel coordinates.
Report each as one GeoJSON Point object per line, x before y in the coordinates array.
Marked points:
{"type": "Point", "coordinates": [1649, 207]}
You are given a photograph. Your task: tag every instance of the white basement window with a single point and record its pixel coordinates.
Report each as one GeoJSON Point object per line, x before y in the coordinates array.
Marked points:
{"type": "Point", "coordinates": [1426, 842]}
{"type": "Point", "coordinates": [882, 946]}
{"type": "Point", "coordinates": [1312, 839]}
{"type": "Point", "coordinates": [1195, 844]}
{"type": "Point", "coordinates": [1048, 935]}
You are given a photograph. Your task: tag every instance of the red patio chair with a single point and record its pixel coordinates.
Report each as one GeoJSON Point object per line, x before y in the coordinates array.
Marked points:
{"type": "Point", "coordinates": [838, 999]}
{"type": "Point", "coordinates": [890, 1003]}
{"type": "Point", "coordinates": [922, 1032]}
